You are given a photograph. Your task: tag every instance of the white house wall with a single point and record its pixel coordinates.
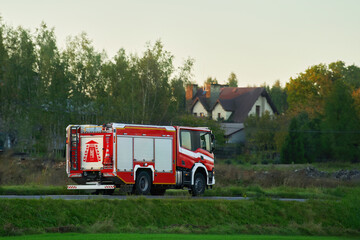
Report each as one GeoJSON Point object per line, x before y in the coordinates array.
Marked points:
{"type": "Point", "coordinates": [264, 106]}
{"type": "Point", "coordinates": [219, 109]}
{"type": "Point", "coordinates": [199, 108]}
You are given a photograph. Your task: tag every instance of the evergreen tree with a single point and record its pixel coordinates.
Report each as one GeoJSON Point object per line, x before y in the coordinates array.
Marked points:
{"type": "Point", "coordinates": [341, 125]}
{"type": "Point", "coordinates": [293, 148]}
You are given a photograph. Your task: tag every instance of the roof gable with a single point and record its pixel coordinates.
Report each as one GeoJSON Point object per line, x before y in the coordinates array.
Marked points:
{"type": "Point", "coordinates": [202, 102]}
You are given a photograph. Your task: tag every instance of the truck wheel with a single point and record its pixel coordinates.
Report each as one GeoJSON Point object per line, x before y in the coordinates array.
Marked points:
{"type": "Point", "coordinates": [199, 185]}
{"type": "Point", "coordinates": [143, 184]}
{"type": "Point", "coordinates": [157, 191]}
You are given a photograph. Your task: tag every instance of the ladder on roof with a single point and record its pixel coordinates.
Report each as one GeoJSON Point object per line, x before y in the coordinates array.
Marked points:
{"type": "Point", "coordinates": [74, 150]}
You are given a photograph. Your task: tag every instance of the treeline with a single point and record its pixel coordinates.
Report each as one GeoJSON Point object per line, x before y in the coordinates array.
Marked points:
{"type": "Point", "coordinates": [43, 88]}
{"type": "Point", "coordinates": [319, 118]}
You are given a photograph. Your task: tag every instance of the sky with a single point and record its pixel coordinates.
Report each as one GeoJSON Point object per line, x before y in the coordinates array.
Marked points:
{"type": "Point", "coordinates": [261, 41]}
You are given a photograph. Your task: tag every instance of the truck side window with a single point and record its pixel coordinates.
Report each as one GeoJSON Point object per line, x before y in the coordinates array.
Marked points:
{"type": "Point", "coordinates": [195, 137]}
{"type": "Point", "coordinates": [193, 140]}
{"type": "Point", "coordinates": [185, 139]}
{"type": "Point", "coordinates": [205, 141]}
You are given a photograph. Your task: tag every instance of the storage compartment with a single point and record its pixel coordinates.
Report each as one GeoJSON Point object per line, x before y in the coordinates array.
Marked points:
{"type": "Point", "coordinates": [163, 155]}
{"type": "Point", "coordinates": [124, 152]}
{"type": "Point", "coordinates": [143, 149]}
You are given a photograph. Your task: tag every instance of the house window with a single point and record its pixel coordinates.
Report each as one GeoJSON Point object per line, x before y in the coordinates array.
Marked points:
{"type": "Point", "coordinates": [201, 114]}
{"type": "Point", "coordinates": [219, 115]}
{"type": "Point", "coordinates": [257, 110]}
{"type": "Point", "coordinates": [195, 114]}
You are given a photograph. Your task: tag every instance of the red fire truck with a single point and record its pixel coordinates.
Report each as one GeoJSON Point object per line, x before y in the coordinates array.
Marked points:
{"type": "Point", "coordinates": [146, 159]}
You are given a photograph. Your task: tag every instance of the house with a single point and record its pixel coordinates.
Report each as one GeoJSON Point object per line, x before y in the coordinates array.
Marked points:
{"type": "Point", "coordinates": [231, 105]}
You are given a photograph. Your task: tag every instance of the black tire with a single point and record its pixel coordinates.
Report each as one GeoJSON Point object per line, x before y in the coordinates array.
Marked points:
{"type": "Point", "coordinates": [143, 184]}
{"type": "Point", "coordinates": [157, 191]}
{"type": "Point", "coordinates": [198, 188]}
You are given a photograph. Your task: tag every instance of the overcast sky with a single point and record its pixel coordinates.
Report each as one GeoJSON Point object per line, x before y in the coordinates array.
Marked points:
{"type": "Point", "coordinates": [261, 41]}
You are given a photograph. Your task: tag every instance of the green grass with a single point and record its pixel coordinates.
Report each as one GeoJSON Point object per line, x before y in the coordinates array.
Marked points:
{"type": "Point", "coordinates": [140, 215]}
{"type": "Point", "coordinates": [322, 166]}
{"type": "Point", "coordinates": [76, 236]}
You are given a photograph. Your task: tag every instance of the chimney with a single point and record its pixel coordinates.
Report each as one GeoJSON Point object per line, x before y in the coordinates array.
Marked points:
{"type": "Point", "coordinates": [190, 91]}
{"type": "Point", "coordinates": [207, 88]}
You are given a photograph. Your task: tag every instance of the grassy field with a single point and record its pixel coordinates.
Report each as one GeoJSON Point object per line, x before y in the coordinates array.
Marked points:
{"type": "Point", "coordinates": [74, 236]}
{"type": "Point", "coordinates": [140, 215]}
{"type": "Point", "coordinates": [333, 208]}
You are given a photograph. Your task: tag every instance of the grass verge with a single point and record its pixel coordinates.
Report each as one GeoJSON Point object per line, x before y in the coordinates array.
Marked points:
{"type": "Point", "coordinates": [140, 215]}
{"type": "Point", "coordinates": [128, 236]}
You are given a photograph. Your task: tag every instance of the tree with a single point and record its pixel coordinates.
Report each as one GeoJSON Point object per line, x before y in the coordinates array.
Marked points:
{"type": "Point", "coordinates": [308, 90]}
{"type": "Point", "coordinates": [232, 80]}
{"type": "Point", "coordinates": [82, 68]}
{"type": "Point", "coordinates": [293, 148]}
{"type": "Point", "coordinates": [260, 135]}
{"type": "Point", "coordinates": [4, 98]}
{"type": "Point", "coordinates": [21, 86]}
{"type": "Point", "coordinates": [341, 126]}
{"type": "Point", "coordinates": [278, 96]}
{"type": "Point", "coordinates": [52, 93]}
{"type": "Point", "coordinates": [178, 84]}
{"type": "Point", "coordinates": [211, 80]}
{"type": "Point", "coordinates": [155, 68]}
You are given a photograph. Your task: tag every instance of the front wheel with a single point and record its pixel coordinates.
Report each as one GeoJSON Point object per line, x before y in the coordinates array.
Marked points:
{"type": "Point", "coordinates": [199, 185]}
{"type": "Point", "coordinates": [143, 184]}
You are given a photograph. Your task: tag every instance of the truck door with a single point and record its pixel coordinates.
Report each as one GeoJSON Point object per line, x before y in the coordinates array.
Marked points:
{"type": "Point", "coordinates": [92, 152]}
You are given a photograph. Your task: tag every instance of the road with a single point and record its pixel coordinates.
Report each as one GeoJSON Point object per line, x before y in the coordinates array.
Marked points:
{"type": "Point", "coordinates": [124, 197]}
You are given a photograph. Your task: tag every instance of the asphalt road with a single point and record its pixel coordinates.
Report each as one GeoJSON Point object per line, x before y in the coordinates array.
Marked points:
{"type": "Point", "coordinates": [123, 197]}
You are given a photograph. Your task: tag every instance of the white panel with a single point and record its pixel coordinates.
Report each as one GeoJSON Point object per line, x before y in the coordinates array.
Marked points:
{"type": "Point", "coordinates": [143, 149]}
{"type": "Point", "coordinates": [91, 152]}
{"type": "Point", "coordinates": [124, 153]}
{"type": "Point", "coordinates": [163, 155]}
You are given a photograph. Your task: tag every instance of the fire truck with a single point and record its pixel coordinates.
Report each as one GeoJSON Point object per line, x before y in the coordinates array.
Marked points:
{"type": "Point", "coordinates": [145, 159]}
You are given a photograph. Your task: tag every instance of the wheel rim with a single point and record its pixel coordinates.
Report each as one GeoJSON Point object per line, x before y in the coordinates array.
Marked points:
{"type": "Point", "coordinates": [143, 184]}
{"type": "Point", "coordinates": [198, 185]}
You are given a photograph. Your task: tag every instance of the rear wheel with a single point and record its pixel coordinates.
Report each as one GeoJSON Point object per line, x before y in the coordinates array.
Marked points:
{"type": "Point", "coordinates": [143, 183]}
{"type": "Point", "coordinates": [199, 185]}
